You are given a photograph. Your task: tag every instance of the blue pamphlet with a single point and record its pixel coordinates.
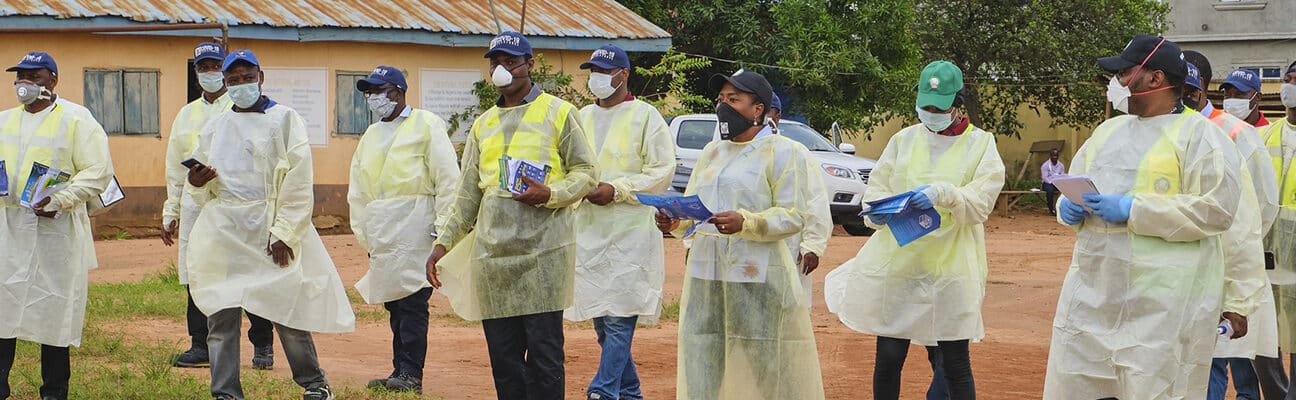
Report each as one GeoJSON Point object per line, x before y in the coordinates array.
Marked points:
{"type": "Point", "coordinates": [907, 223]}
{"type": "Point", "coordinates": [512, 170]}
{"type": "Point", "coordinates": [677, 207]}
{"type": "Point", "coordinates": [4, 180]}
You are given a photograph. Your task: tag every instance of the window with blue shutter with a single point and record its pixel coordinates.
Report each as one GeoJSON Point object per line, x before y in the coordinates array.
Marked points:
{"type": "Point", "coordinates": [125, 102]}
{"type": "Point", "coordinates": [353, 115]}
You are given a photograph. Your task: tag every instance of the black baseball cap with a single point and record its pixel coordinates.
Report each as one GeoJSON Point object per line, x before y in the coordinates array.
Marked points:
{"type": "Point", "coordinates": [747, 81]}
{"type": "Point", "coordinates": [1168, 58]}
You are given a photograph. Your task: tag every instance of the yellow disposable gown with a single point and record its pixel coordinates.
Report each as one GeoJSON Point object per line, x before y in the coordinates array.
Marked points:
{"type": "Point", "coordinates": [45, 260]}
{"type": "Point", "coordinates": [818, 225]}
{"type": "Point", "coordinates": [403, 175]}
{"type": "Point", "coordinates": [507, 258]}
{"type": "Point", "coordinates": [930, 290]}
{"type": "Point", "coordinates": [264, 194]}
{"type": "Point", "coordinates": [620, 256]}
{"type": "Point", "coordinates": [1280, 140]}
{"type": "Point", "coordinates": [180, 146]}
{"type": "Point", "coordinates": [1137, 314]}
{"type": "Point", "coordinates": [745, 328]}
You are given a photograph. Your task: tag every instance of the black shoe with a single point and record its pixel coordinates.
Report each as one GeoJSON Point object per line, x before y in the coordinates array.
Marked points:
{"type": "Point", "coordinates": [319, 393]}
{"type": "Point", "coordinates": [405, 383]}
{"type": "Point", "coordinates": [223, 397]}
{"type": "Point", "coordinates": [192, 358]}
{"type": "Point", "coordinates": [53, 398]}
{"type": "Point", "coordinates": [263, 358]}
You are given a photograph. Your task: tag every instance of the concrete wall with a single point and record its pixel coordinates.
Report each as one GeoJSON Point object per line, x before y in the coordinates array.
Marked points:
{"type": "Point", "coordinates": [1207, 20]}
{"type": "Point", "coordinates": [139, 160]}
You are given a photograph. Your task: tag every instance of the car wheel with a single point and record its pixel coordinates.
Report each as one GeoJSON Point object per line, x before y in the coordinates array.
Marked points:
{"type": "Point", "coordinates": [858, 230]}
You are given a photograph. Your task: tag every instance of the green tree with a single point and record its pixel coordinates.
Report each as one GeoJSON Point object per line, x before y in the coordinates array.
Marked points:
{"type": "Point", "coordinates": [1040, 53]}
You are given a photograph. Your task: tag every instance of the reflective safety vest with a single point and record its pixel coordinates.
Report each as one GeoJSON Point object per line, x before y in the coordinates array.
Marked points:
{"type": "Point", "coordinates": [1159, 171]}
{"type": "Point", "coordinates": [48, 146]}
{"type": "Point", "coordinates": [536, 138]}
{"type": "Point", "coordinates": [1234, 125]}
{"type": "Point", "coordinates": [1272, 136]}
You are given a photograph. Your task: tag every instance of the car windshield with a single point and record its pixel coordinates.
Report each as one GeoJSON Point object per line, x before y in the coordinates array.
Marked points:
{"type": "Point", "coordinates": [806, 136]}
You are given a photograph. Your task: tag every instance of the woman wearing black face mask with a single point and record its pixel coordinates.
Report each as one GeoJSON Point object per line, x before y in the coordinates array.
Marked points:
{"type": "Point", "coordinates": [744, 325]}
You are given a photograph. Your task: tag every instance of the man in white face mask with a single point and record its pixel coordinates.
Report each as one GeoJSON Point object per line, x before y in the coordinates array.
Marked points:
{"type": "Point", "coordinates": [1242, 97]}
{"type": "Point", "coordinates": [403, 176]}
{"type": "Point", "coordinates": [179, 211]}
{"type": "Point", "coordinates": [47, 247]}
{"type": "Point", "coordinates": [1138, 311]}
{"type": "Point", "coordinates": [620, 256]}
{"type": "Point", "coordinates": [253, 245]}
{"type": "Point", "coordinates": [1280, 140]}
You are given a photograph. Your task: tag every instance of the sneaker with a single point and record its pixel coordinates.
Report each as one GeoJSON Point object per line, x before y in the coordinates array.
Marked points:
{"type": "Point", "coordinates": [319, 393]}
{"type": "Point", "coordinates": [223, 397]}
{"type": "Point", "coordinates": [192, 358]}
{"type": "Point", "coordinates": [263, 358]}
{"type": "Point", "coordinates": [405, 383]}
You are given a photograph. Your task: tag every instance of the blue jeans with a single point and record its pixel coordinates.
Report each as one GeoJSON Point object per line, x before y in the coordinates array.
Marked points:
{"type": "Point", "coordinates": [616, 377]}
{"type": "Point", "coordinates": [1245, 381]}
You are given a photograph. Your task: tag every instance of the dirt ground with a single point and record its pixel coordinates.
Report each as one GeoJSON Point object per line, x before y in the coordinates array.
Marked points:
{"type": "Point", "coordinates": [1028, 257]}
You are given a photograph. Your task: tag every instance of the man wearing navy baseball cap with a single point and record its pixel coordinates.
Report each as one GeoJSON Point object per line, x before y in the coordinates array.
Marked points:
{"type": "Point", "coordinates": [403, 175]}
{"type": "Point", "coordinates": [1144, 253]}
{"type": "Point", "coordinates": [46, 242]}
{"type": "Point", "coordinates": [621, 260]}
{"type": "Point", "coordinates": [1242, 97]}
{"type": "Point", "coordinates": [522, 260]}
{"type": "Point", "coordinates": [179, 212]}
{"type": "Point", "coordinates": [263, 190]}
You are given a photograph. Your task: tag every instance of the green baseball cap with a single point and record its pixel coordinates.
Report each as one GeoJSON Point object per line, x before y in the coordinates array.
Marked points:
{"type": "Point", "coordinates": [939, 84]}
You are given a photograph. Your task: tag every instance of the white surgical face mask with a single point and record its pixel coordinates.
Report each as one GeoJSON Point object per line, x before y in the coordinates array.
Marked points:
{"type": "Point", "coordinates": [380, 104]}
{"type": "Point", "coordinates": [211, 82]}
{"type": "Point", "coordinates": [935, 122]}
{"type": "Point", "coordinates": [601, 85]}
{"type": "Point", "coordinates": [28, 92]}
{"type": "Point", "coordinates": [1118, 95]}
{"type": "Point", "coordinates": [501, 77]}
{"type": "Point", "coordinates": [245, 95]}
{"type": "Point", "coordinates": [1288, 94]}
{"type": "Point", "coordinates": [1240, 108]}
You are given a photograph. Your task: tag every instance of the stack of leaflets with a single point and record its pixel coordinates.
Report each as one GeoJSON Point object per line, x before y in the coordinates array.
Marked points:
{"type": "Point", "coordinates": [41, 183]}
{"type": "Point", "coordinates": [907, 223]}
{"type": "Point", "coordinates": [679, 207]}
{"type": "Point", "coordinates": [4, 180]}
{"type": "Point", "coordinates": [512, 170]}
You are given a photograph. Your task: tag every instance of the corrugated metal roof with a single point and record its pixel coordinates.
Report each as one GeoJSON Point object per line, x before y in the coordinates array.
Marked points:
{"type": "Point", "coordinates": [561, 18]}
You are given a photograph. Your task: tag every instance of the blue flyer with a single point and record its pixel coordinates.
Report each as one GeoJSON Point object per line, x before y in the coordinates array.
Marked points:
{"type": "Point", "coordinates": [913, 223]}
{"type": "Point", "coordinates": [4, 180]}
{"type": "Point", "coordinates": [679, 207]}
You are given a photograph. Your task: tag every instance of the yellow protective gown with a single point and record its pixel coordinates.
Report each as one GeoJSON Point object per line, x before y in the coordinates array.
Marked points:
{"type": "Point", "coordinates": [403, 175]}
{"type": "Point", "coordinates": [1137, 314]}
{"type": "Point", "coordinates": [930, 290]}
{"type": "Point", "coordinates": [1280, 140]}
{"type": "Point", "coordinates": [46, 260]}
{"type": "Point", "coordinates": [620, 255]}
{"type": "Point", "coordinates": [745, 328]}
{"type": "Point", "coordinates": [818, 224]}
{"type": "Point", "coordinates": [180, 145]}
{"type": "Point", "coordinates": [264, 193]}
{"type": "Point", "coordinates": [507, 258]}
{"type": "Point", "coordinates": [1246, 285]}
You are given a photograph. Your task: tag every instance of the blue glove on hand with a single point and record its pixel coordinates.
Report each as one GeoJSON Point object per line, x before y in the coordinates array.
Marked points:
{"type": "Point", "coordinates": [1071, 213]}
{"type": "Point", "coordinates": [880, 219]}
{"type": "Point", "coordinates": [1114, 208]}
{"type": "Point", "coordinates": [920, 199]}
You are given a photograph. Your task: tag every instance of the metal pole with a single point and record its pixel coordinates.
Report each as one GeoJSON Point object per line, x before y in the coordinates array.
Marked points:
{"type": "Point", "coordinates": [498, 28]}
{"type": "Point", "coordinates": [522, 29]}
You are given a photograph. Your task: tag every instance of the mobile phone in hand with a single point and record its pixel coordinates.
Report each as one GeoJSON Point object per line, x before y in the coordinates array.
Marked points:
{"type": "Point", "coordinates": [191, 163]}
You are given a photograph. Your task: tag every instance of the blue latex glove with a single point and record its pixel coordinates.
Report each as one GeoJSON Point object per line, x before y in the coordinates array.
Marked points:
{"type": "Point", "coordinates": [1114, 208]}
{"type": "Point", "coordinates": [880, 219]}
{"type": "Point", "coordinates": [1071, 213]}
{"type": "Point", "coordinates": [920, 199]}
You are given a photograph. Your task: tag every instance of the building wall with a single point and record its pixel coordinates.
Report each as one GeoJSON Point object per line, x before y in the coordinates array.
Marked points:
{"type": "Point", "coordinates": [1203, 20]}
{"type": "Point", "coordinates": [139, 160]}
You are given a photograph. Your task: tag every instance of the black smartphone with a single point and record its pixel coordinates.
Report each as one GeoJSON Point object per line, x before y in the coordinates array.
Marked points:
{"type": "Point", "coordinates": [1270, 263]}
{"type": "Point", "coordinates": [190, 163]}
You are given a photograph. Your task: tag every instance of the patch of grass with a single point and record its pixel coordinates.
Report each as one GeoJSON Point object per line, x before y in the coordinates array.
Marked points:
{"type": "Point", "coordinates": [120, 235]}
{"type": "Point", "coordinates": [158, 295]}
{"type": "Point", "coordinates": [671, 311]}
{"type": "Point", "coordinates": [365, 312]}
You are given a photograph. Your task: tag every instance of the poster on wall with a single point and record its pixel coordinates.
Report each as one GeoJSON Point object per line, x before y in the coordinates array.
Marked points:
{"type": "Point", "coordinates": [305, 90]}
{"type": "Point", "coordinates": [447, 92]}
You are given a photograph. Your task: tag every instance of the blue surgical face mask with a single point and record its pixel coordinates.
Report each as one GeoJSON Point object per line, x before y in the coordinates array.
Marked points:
{"type": "Point", "coordinates": [935, 122]}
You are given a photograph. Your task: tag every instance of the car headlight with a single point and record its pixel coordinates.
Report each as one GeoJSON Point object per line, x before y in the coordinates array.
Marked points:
{"type": "Point", "coordinates": [838, 171]}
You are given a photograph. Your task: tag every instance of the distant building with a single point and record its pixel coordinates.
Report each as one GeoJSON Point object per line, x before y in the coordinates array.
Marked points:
{"type": "Point", "coordinates": [1259, 35]}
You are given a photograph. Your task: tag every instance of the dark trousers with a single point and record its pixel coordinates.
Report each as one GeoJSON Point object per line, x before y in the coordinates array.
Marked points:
{"type": "Point", "coordinates": [954, 360]}
{"type": "Point", "coordinates": [260, 333]}
{"type": "Point", "coordinates": [526, 354]}
{"type": "Point", "coordinates": [409, 326]}
{"type": "Point", "coordinates": [56, 369]}
{"type": "Point", "coordinates": [1050, 193]}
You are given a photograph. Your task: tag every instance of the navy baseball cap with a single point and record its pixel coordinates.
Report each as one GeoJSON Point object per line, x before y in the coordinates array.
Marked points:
{"type": "Point", "coordinates": [240, 55]}
{"type": "Point", "coordinates": [1242, 79]}
{"type": "Point", "coordinates": [777, 103]}
{"type": "Point", "coordinates": [36, 60]}
{"type": "Point", "coordinates": [209, 51]}
{"type": "Point", "coordinates": [746, 81]}
{"type": "Point", "coordinates": [608, 57]}
{"type": "Point", "coordinates": [1161, 55]}
{"type": "Point", "coordinates": [1194, 77]}
{"type": "Point", "coordinates": [381, 76]}
{"type": "Point", "coordinates": [511, 43]}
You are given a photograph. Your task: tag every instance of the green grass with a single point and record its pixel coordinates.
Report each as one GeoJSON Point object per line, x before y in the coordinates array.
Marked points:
{"type": "Point", "coordinates": [365, 312]}
{"type": "Point", "coordinates": [111, 365]}
{"type": "Point", "coordinates": [120, 235]}
{"type": "Point", "coordinates": [671, 311]}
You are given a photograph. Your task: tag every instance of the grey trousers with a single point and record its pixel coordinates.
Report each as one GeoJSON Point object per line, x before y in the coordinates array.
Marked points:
{"type": "Point", "coordinates": [1274, 382]}
{"type": "Point", "coordinates": [223, 345]}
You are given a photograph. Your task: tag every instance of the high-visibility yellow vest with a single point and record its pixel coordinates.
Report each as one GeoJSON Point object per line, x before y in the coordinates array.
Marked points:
{"type": "Point", "coordinates": [536, 138]}
{"type": "Point", "coordinates": [1272, 135]}
{"type": "Point", "coordinates": [48, 145]}
{"type": "Point", "coordinates": [1159, 171]}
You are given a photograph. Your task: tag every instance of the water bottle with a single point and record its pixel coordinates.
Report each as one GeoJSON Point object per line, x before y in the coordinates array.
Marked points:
{"type": "Point", "coordinates": [1225, 329]}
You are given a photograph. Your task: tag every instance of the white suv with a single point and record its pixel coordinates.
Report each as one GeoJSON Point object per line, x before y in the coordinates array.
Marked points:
{"type": "Point", "coordinates": [845, 175]}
